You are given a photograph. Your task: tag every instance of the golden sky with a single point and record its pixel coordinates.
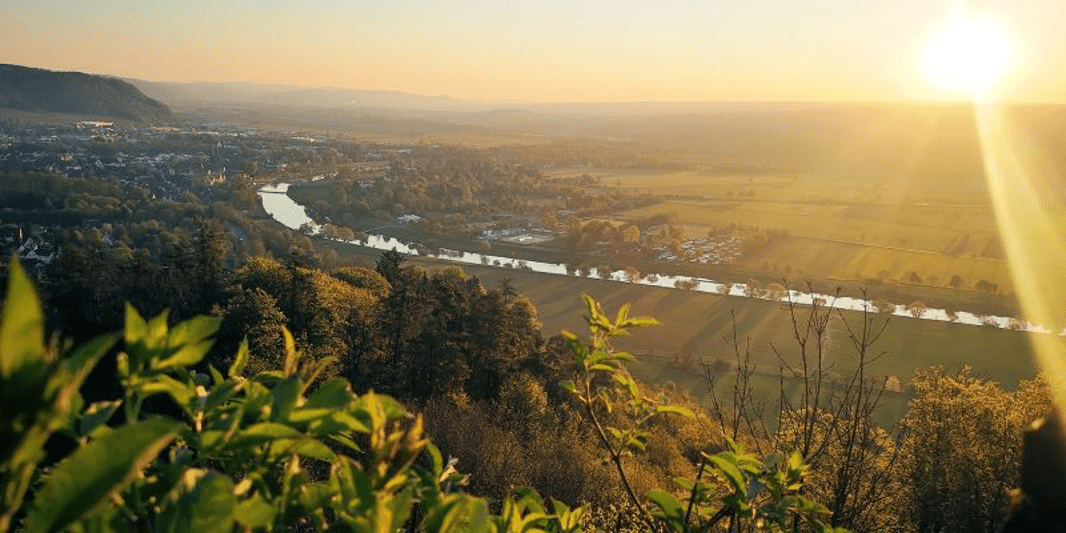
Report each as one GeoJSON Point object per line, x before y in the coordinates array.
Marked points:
{"type": "Point", "coordinates": [542, 50]}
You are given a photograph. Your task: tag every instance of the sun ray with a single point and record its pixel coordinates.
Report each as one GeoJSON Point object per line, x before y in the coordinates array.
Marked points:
{"type": "Point", "coordinates": [1029, 221]}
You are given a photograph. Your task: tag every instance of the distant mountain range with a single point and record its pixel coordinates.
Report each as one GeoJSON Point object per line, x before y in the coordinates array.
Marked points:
{"type": "Point", "coordinates": [76, 93]}
{"type": "Point", "coordinates": [192, 93]}
{"type": "Point", "coordinates": [215, 93]}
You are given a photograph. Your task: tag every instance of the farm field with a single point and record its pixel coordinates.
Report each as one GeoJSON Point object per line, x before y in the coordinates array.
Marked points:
{"type": "Point", "coordinates": [833, 186]}
{"type": "Point", "coordinates": [960, 230]}
{"type": "Point", "coordinates": [834, 227]}
{"type": "Point", "coordinates": [694, 328]}
{"type": "Point", "coordinates": [697, 324]}
{"type": "Point", "coordinates": [810, 257]}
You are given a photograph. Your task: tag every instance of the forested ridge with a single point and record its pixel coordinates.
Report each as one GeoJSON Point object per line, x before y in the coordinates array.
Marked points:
{"type": "Point", "coordinates": [34, 89]}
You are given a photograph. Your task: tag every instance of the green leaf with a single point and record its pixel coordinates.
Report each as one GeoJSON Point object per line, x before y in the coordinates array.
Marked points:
{"type": "Point", "coordinates": [302, 415]}
{"type": "Point", "coordinates": [284, 395]}
{"type": "Point", "coordinates": [107, 464]}
{"type": "Point", "coordinates": [568, 385]}
{"type": "Point", "coordinates": [314, 496]}
{"type": "Point", "coordinates": [592, 308]}
{"type": "Point", "coordinates": [292, 357]}
{"type": "Point", "coordinates": [456, 512]}
{"type": "Point", "coordinates": [530, 498]}
{"type": "Point", "coordinates": [216, 376]}
{"type": "Point", "coordinates": [559, 507]}
{"type": "Point", "coordinates": [436, 460]}
{"type": "Point", "coordinates": [255, 513]}
{"type": "Point", "coordinates": [22, 326]}
{"type": "Point", "coordinates": [391, 408]}
{"type": "Point", "coordinates": [641, 322]}
{"type": "Point", "coordinates": [136, 327]}
{"type": "Point", "coordinates": [674, 409]}
{"type": "Point", "coordinates": [669, 508]}
{"type": "Point", "coordinates": [627, 381]}
{"type": "Point", "coordinates": [623, 313]}
{"type": "Point", "coordinates": [264, 432]}
{"type": "Point", "coordinates": [728, 469]}
{"type": "Point", "coordinates": [207, 508]}
{"type": "Point", "coordinates": [96, 415]}
{"type": "Point", "coordinates": [180, 392]}
{"type": "Point", "coordinates": [241, 360]}
{"type": "Point", "coordinates": [305, 447]}
{"type": "Point", "coordinates": [220, 394]}
{"type": "Point", "coordinates": [187, 355]}
{"type": "Point", "coordinates": [157, 329]}
{"type": "Point", "coordinates": [193, 330]}
{"type": "Point", "coordinates": [340, 422]}
{"type": "Point", "coordinates": [333, 394]}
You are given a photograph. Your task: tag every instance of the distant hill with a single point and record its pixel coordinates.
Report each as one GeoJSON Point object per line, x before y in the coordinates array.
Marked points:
{"type": "Point", "coordinates": [176, 93]}
{"type": "Point", "coordinates": [38, 90]}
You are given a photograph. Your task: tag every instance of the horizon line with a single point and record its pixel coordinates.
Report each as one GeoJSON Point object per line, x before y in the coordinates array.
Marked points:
{"type": "Point", "coordinates": [489, 101]}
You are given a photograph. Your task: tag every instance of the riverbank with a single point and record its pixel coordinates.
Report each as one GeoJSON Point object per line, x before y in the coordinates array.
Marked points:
{"type": "Point", "coordinates": [287, 212]}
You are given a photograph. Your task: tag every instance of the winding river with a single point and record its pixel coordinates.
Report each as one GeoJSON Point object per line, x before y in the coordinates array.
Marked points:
{"type": "Point", "coordinates": [290, 214]}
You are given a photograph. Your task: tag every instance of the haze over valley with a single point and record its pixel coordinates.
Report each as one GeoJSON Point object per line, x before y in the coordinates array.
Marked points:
{"type": "Point", "coordinates": [812, 256]}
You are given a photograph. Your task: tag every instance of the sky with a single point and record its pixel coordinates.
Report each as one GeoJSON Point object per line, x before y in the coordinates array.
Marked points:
{"type": "Point", "coordinates": [543, 50]}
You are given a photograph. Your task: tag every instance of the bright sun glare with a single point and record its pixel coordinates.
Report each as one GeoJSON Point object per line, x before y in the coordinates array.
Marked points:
{"type": "Point", "coordinates": [968, 55]}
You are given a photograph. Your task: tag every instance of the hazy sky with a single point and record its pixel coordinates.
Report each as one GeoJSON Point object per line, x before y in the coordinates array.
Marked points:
{"type": "Point", "coordinates": [541, 50]}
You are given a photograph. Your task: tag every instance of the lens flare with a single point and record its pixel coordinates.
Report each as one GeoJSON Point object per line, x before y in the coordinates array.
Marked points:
{"type": "Point", "coordinates": [1029, 209]}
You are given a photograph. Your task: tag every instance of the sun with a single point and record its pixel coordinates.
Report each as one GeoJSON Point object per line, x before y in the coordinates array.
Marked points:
{"type": "Point", "coordinates": [968, 55]}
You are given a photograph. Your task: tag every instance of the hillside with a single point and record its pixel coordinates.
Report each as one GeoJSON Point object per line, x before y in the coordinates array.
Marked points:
{"type": "Point", "coordinates": [38, 90]}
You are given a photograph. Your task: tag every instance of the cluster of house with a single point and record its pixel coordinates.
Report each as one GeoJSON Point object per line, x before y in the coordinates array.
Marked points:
{"type": "Point", "coordinates": [165, 159]}
{"type": "Point", "coordinates": [518, 235]}
{"type": "Point", "coordinates": [34, 250]}
{"type": "Point", "coordinates": [717, 250]}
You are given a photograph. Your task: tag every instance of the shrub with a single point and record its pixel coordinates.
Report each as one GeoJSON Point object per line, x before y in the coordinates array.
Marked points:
{"type": "Point", "coordinates": [739, 486]}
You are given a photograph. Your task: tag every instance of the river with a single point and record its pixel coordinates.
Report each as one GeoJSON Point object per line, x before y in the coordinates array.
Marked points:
{"type": "Point", "coordinates": [292, 215]}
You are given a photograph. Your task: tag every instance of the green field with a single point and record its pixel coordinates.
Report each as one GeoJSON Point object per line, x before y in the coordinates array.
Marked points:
{"type": "Point", "coordinates": [808, 257]}
{"type": "Point", "coordinates": [695, 327]}
{"type": "Point", "coordinates": [789, 187]}
{"type": "Point", "coordinates": [698, 323]}
{"type": "Point", "coordinates": [834, 226]}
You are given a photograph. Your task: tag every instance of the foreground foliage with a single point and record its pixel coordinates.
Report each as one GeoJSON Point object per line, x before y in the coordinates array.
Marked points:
{"type": "Point", "coordinates": [273, 451]}
{"type": "Point", "coordinates": [257, 453]}
{"type": "Point", "coordinates": [732, 485]}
